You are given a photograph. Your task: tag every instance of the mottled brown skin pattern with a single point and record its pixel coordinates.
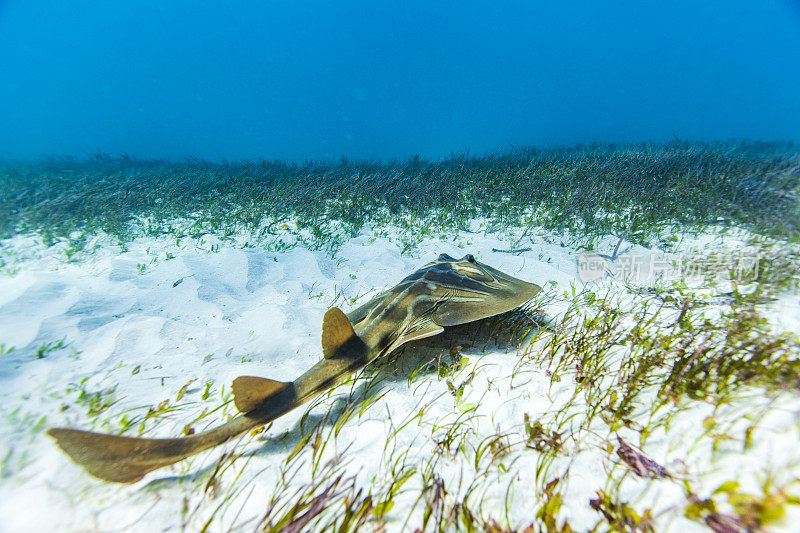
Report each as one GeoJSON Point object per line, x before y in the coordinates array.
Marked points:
{"type": "Point", "coordinates": [445, 292]}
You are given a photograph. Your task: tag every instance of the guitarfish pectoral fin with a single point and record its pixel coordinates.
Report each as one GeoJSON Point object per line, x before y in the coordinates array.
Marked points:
{"type": "Point", "coordinates": [465, 305]}
{"type": "Point", "coordinates": [421, 331]}
{"type": "Point", "coordinates": [338, 336]}
{"type": "Point", "coordinates": [250, 392]}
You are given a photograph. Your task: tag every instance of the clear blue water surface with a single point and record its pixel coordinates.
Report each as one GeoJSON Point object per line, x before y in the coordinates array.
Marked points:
{"type": "Point", "coordinates": [307, 79]}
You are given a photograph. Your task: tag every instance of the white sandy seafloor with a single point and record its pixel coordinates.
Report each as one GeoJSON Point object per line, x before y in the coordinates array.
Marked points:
{"type": "Point", "coordinates": [134, 334]}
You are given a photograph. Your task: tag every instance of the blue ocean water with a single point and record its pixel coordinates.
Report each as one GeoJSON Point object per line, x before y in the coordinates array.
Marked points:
{"type": "Point", "coordinates": [307, 79]}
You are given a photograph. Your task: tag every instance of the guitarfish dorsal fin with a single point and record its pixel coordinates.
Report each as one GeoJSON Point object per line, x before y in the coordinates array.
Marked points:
{"type": "Point", "coordinates": [338, 336]}
{"type": "Point", "coordinates": [250, 392]}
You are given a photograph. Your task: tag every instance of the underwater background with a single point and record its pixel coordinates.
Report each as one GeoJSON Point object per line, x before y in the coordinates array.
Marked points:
{"type": "Point", "coordinates": [188, 188]}
{"type": "Point", "coordinates": [318, 80]}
